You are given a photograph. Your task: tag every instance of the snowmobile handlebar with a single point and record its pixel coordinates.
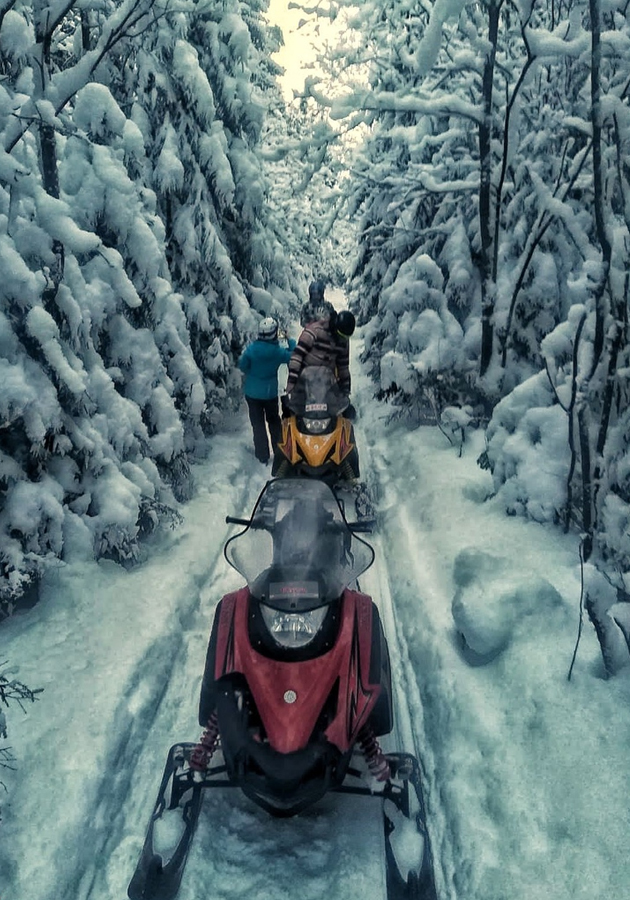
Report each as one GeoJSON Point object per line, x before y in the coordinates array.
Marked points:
{"type": "Point", "coordinates": [366, 525]}
{"type": "Point", "coordinates": [234, 520]}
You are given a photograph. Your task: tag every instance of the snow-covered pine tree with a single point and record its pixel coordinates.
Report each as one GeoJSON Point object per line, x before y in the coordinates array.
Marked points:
{"type": "Point", "coordinates": [453, 168]}
{"type": "Point", "coordinates": [89, 422]}
{"type": "Point", "coordinates": [309, 174]}
{"type": "Point", "coordinates": [414, 277]}
{"type": "Point", "coordinates": [201, 90]}
{"type": "Point", "coordinates": [102, 396]}
{"type": "Point", "coordinates": [586, 355]}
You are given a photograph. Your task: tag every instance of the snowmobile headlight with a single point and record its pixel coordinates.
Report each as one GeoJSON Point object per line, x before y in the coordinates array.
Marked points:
{"type": "Point", "coordinates": [316, 426]}
{"type": "Point", "coordinates": [293, 630]}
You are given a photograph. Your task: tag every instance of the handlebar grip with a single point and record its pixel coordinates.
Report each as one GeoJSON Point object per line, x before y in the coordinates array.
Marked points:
{"type": "Point", "coordinates": [234, 520]}
{"type": "Point", "coordinates": [367, 525]}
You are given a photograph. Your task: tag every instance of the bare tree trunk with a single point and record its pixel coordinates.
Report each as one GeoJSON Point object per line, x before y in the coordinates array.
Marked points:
{"type": "Point", "coordinates": [86, 43]}
{"type": "Point", "coordinates": [488, 275]}
{"type": "Point", "coordinates": [618, 341]}
{"type": "Point", "coordinates": [44, 29]}
{"type": "Point", "coordinates": [612, 634]}
{"type": "Point", "coordinates": [506, 141]}
{"type": "Point", "coordinates": [612, 641]}
{"type": "Point", "coordinates": [587, 492]}
{"type": "Point", "coordinates": [545, 219]}
{"type": "Point", "coordinates": [571, 414]}
{"type": "Point", "coordinates": [598, 181]}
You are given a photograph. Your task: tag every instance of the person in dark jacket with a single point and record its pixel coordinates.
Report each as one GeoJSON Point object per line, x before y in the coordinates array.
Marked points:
{"type": "Point", "coordinates": [316, 307]}
{"type": "Point", "coordinates": [325, 343]}
{"type": "Point", "coordinates": [260, 362]}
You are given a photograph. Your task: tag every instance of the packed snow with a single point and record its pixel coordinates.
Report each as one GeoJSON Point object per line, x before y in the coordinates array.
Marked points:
{"type": "Point", "coordinates": [526, 772]}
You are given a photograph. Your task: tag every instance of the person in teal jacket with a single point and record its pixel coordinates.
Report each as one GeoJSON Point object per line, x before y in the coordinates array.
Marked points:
{"type": "Point", "coordinates": [260, 362]}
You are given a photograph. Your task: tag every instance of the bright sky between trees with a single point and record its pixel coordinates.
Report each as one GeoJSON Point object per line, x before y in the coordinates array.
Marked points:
{"type": "Point", "coordinates": [298, 49]}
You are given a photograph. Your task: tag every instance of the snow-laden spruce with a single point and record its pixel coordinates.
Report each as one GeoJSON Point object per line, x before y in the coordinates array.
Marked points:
{"type": "Point", "coordinates": [137, 256]}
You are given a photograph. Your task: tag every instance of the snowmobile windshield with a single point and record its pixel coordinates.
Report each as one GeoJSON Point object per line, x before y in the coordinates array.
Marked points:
{"type": "Point", "coordinates": [298, 552]}
{"type": "Point", "coordinates": [317, 394]}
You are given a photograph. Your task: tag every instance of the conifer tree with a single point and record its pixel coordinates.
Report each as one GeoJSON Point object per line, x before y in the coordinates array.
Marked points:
{"type": "Point", "coordinates": [127, 291]}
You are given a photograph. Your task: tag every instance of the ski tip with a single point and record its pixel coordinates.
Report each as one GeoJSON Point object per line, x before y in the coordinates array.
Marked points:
{"type": "Point", "coordinates": [144, 884]}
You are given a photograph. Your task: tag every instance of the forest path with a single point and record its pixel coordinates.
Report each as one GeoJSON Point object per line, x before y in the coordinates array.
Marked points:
{"type": "Point", "coordinates": [120, 655]}
{"type": "Point", "coordinates": [405, 575]}
{"type": "Point", "coordinates": [333, 850]}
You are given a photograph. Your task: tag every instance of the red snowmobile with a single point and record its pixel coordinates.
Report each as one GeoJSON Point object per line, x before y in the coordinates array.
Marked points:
{"type": "Point", "coordinates": [296, 690]}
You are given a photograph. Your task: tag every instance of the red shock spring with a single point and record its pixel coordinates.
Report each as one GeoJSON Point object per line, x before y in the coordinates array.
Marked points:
{"type": "Point", "coordinates": [202, 752]}
{"type": "Point", "coordinates": [374, 756]}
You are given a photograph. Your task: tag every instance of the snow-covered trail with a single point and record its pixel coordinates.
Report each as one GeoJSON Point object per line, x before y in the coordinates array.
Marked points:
{"type": "Point", "coordinates": [120, 655]}
{"type": "Point", "coordinates": [503, 746]}
{"type": "Point", "coordinates": [402, 573]}
{"type": "Point", "coordinates": [334, 849]}
{"type": "Point", "coordinates": [407, 574]}
{"type": "Point", "coordinates": [121, 660]}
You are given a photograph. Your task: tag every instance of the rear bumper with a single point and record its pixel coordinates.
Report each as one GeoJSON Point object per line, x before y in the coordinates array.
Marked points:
{"type": "Point", "coordinates": [281, 783]}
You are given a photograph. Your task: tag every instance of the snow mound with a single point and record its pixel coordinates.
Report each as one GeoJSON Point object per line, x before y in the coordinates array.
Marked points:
{"type": "Point", "coordinates": [491, 599]}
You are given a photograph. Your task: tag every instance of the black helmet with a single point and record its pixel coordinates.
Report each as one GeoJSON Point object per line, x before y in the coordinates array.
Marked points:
{"type": "Point", "coordinates": [316, 290]}
{"type": "Point", "coordinates": [345, 323]}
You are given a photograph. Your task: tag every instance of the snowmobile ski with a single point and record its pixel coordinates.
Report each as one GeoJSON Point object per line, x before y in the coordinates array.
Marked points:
{"type": "Point", "coordinates": [409, 876]}
{"type": "Point", "coordinates": [156, 878]}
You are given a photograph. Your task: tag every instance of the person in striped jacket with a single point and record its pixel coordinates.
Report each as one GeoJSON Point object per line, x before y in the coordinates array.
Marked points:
{"type": "Point", "coordinates": [325, 342]}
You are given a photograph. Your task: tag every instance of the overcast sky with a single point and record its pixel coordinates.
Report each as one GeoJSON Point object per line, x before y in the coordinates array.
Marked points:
{"type": "Point", "coordinates": [297, 42]}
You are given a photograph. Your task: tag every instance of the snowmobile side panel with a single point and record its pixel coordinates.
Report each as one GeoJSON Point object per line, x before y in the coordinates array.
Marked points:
{"type": "Point", "coordinates": [382, 717]}
{"type": "Point", "coordinates": [287, 446]}
{"type": "Point", "coordinates": [207, 697]}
